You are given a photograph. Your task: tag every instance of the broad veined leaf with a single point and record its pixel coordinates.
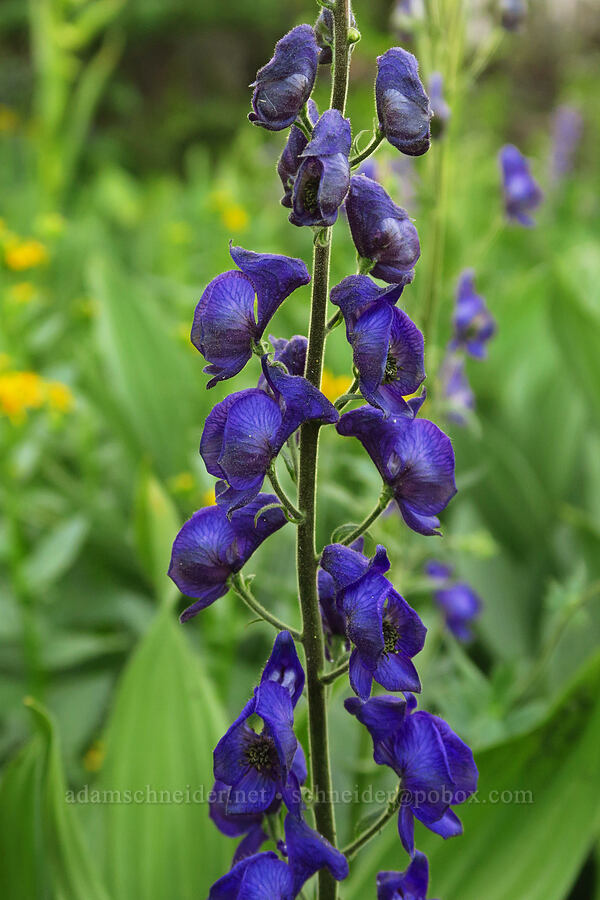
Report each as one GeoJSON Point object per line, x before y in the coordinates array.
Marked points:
{"type": "Point", "coordinates": [156, 523]}
{"type": "Point", "coordinates": [535, 818]}
{"type": "Point", "coordinates": [151, 812]}
{"type": "Point", "coordinates": [42, 849]}
{"type": "Point", "coordinates": [55, 552]}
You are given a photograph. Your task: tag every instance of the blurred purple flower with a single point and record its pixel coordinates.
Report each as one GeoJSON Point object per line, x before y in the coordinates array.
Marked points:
{"type": "Point", "coordinates": [226, 326]}
{"type": "Point", "coordinates": [473, 323]}
{"type": "Point", "coordinates": [382, 232]}
{"type": "Point", "coordinates": [456, 390]}
{"type": "Point", "coordinates": [402, 104]}
{"type": "Point", "coordinates": [460, 606]}
{"type": "Point", "coordinates": [210, 547]}
{"type": "Point", "coordinates": [283, 86]}
{"type": "Point", "coordinates": [323, 176]}
{"type": "Point", "coordinates": [566, 132]}
{"type": "Point", "coordinates": [387, 346]}
{"type": "Point", "coordinates": [522, 194]}
{"type": "Point", "coordinates": [439, 107]}
{"type": "Point", "coordinates": [414, 458]}
{"type": "Point", "coordinates": [512, 14]}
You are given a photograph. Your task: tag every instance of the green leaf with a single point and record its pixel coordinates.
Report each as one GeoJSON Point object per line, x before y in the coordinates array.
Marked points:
{"type": "Point", "coordinates": [522, 849]}
{"type": "Point", "coordinates": [164, 725]}
{"type": "Point", "coordinates": [56, 552]}
{"type": "Point", "coordinates": [42, 852]}
{"type": "Point", "coordinates": [156, 522]}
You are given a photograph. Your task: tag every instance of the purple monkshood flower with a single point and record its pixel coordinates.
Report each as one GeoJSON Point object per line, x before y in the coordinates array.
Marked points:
{"type": "Point", "coordinates": [244, 433]}
{"type": "Point", "coordinates": [436, 769]}
{"type": "Point", "coordinates": [402, 104]}
{"type": "Point", "coordinates": [460, 605]}
{"type": "Point", "coordinates": [225, 329]}
{"type": "Point", "coordinates": [382, 232]}
{"type": "Point", "coordinates": [522, 194]}
{"type": "Point", "coordinates": [292, 354]}
{"type": "Point", "coordinates": [414, 458]}
{"type": "Point", "coordinates": [289, 160]}
{"type": "Point", "coordinates": [323, 177]}
{"type": "Point", "coordinates": [324, 28]}
{"type": "Point", "coordinates": [250, 826]}
{"type": "Point", "coordinates": [512, 14]}
{"type": "Point", "coordinates": [567, 130]}
{"type": "Point", "coordinates": [439, 107]}
{"type": "Point", "coordinates": [283, 86]}
{"type": "Point", "coordinates": [385, 631]}
{"type": "Point", "coordinates": [456, 390]}
{"type": "Point", "coordinates": [473, 323]}
{"type": "Point", "coordinates": [210, 547]}
{"type": "Point", "coordinates": [387, 346]}
{"type": "Point", "coordinates": [264, 875]}
{"type": "Point", "coordinates": [254, 766]}
{"type": "Point", "coordinates": [409, 885]}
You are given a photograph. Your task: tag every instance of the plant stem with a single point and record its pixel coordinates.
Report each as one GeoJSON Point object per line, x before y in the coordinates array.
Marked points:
{"type": "Point", "coordinates": [292, 510]}
{"type": "Point", "coordinates": [334, 674]}
{"type": "Point", "coordinates": [366, 523]}
{"type": "Point", "coordinates": [252, 603]}
{"type": "Point", "coordinates": [369, 149]}
{"type": "Point", "coordinates": [351, 394]}
{"type": "Point", "coordinates": [307, 480]}
{"type": "Point", "coordinates": [375, 828]}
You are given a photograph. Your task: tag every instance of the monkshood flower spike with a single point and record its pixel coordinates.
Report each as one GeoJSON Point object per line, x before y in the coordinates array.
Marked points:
{"type": "Point", "coordinates": [435, 767]}
{"type": "Point", "coordinates": [210, 548]}
{"type": "Point", "coordinates": [283, 86]}
{"type": "Point", "coordinates": [414, 458]}
{"type": "Point", "coordinates": [473, 323]}
{"type": "Point", "coordinates": [387, 346]}
{"type": "Point", "coordinates": [385, 631]}
{"type": "Point", "coordinates": [522, 194]}
{"type": "Point", "coordinates": [402, 104]}
{"type": "Point", "coordinates": [226, 328]}
{"type": "Point", "coordinates": [244, 433]}
{"type": "Point", "coordinates": [323, 176]}
{"type": "Point", "coordinates": [324, 35]}
{"type": "Point", "coordinates": [382, 232]}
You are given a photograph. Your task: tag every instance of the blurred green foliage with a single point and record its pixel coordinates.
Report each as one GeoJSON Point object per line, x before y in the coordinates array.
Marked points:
{"type": "Point", "coordinates": [102, 405]}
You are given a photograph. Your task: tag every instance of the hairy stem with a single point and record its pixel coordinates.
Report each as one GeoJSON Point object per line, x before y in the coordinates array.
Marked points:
{"type": "Point", "coordinates": [252, 603]}
{"type": "Point", "coordinates": [307, 479]}
{"type": "Point", "coordinates": [375, 828]}
{"type": "Point", "coordinates": [292, 510]}
{"type": "Point", "coordinates": [369, 149]}
{"type": "Point", "coordinates": [366, 523]}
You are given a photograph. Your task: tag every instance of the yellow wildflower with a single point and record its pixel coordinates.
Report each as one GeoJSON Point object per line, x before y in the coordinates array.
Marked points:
{"type": "Point", "coordinates": [333, 386]}
{"type": "Point", "coordinates": [59, 397]}
{"type": "Point", "coordinates": [22, 292]}
{"type": "Point", "coordinates": [9, 119]}
{"type": "Point", "coordinates": [20, 255]}
{"type": "Point", "coordinates": [208, 497]}
{"type": "Point", "coordinates": [94, 757]}
{"type": "Point", "coordinates": [235, 217]}
{"type": "Point", "coordinates": [19, 392]}
{"type": "Point", "coordinates": [182, 483]}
